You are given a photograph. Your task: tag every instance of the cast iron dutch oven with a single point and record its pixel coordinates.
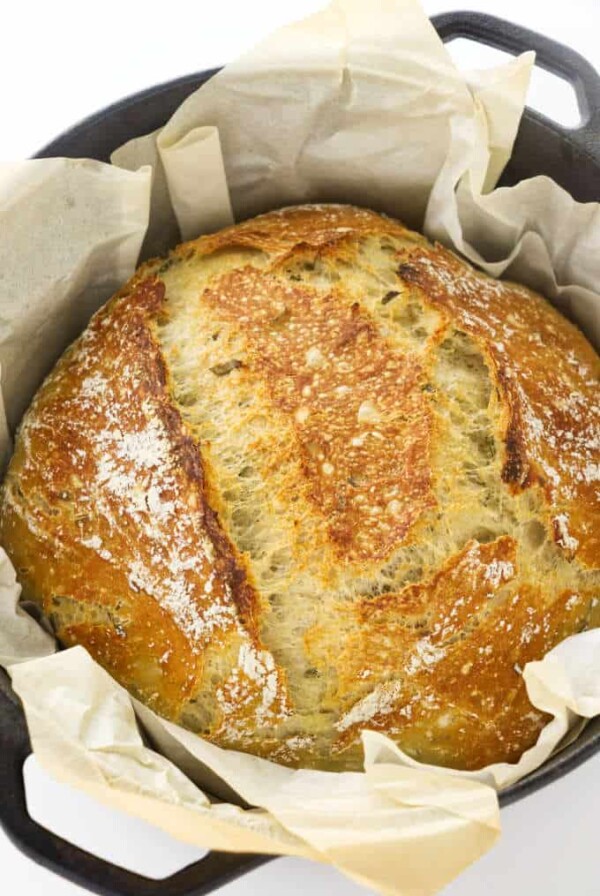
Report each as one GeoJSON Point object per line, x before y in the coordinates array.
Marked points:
{"type": "Point", "coordinates": [569, 157]}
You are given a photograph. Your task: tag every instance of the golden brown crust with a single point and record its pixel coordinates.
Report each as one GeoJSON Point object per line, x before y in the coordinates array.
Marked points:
{"type": "Point", "coordinates": [327, 375]}
{"type": "Point", "coordinates": [118, 512]}
{"type": "Point", "coordinates": [312, 474]}
{"type": "Point", "coordinates": [548, 374]}
{"type": "Point", "coordinates": [459, 695]}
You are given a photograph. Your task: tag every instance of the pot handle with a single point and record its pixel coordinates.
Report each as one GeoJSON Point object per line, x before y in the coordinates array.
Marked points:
{"type": "Point", "coordinates": [73, 863]}
{"type": "Point", "coordinates": [550, 55]}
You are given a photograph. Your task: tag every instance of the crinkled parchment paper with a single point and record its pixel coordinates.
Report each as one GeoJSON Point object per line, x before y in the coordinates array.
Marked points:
{"type": "Point", "coordinates": [359, 103]}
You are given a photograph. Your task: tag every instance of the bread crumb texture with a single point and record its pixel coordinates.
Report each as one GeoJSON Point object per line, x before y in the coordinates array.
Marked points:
{"type": "Point", "coordinates": [312, 474]}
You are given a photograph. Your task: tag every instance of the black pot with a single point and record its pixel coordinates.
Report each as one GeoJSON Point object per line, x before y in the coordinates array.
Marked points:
{"type": "Point", "coordinates": [569, 157]}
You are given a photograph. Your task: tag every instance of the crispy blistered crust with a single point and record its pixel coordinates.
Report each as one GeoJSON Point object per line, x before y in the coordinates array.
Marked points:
{"type": "Point", "coordinates": [109, 509]}
{"type": "Point", "coordinates": [120, 518]}
{"type": "Point", "coordinates": [547, 374]}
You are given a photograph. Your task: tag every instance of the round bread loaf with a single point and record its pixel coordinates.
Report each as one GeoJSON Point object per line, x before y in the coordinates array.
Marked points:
{"type": "Point", "coordinates": [313, 474]}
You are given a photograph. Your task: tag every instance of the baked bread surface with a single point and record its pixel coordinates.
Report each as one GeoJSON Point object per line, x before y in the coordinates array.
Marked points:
{"type": "Point", "coordinates": [313, 474]}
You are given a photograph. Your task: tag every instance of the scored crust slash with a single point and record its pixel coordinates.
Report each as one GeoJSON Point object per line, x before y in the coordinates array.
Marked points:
{"type": "Point", "coordinates": [311, 475]}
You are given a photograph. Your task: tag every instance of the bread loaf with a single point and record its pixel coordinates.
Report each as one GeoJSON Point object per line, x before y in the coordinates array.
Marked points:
{"type": "Point", "coordinates": [312, 474]}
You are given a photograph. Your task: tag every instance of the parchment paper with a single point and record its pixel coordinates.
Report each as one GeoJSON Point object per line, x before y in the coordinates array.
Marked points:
{"type": "Point", "coordinates": [70, 235]}
{"type": "Point", "coordinates": [359, 103]}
